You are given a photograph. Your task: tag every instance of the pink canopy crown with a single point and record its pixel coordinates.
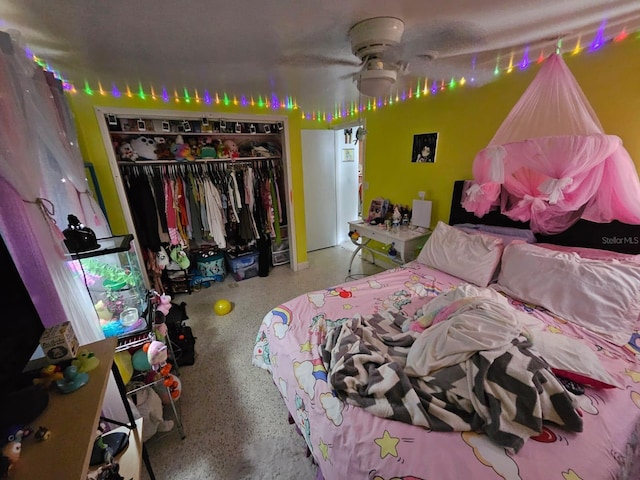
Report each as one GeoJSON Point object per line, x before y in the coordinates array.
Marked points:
{"type": "Point", "coordinates": [550, 162]}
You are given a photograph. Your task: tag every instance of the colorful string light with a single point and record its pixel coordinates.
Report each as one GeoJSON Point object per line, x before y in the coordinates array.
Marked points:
{"type": "Point", "coordinates": [420, 89]}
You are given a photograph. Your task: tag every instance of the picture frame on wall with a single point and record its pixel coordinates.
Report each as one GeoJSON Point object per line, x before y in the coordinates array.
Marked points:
{"type": "Point", "coordinates": [424, 148]}
{"type": "Point", "coordinates": [348, 155]}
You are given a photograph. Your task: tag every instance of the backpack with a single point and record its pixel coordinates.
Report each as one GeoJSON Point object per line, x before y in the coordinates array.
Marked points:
{"type": "Point", "coordinates": [183, 343]}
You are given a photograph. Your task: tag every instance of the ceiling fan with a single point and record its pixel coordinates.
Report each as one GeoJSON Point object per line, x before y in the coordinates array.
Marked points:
{"type": "Point", "coordinates": [387, 53]}
{"type": "Point", "coordinates": [377, 43]}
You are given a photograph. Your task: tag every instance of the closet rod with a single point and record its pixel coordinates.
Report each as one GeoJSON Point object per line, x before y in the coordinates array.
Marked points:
{"type": "Point", "coordinates": [198, 162]}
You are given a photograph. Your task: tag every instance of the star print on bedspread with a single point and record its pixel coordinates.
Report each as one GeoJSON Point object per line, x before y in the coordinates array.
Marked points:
{"type": "Point", "coordinates": [387, 444]}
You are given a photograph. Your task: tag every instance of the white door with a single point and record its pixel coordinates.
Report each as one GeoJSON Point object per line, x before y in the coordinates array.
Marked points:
{"type": "Point", "coordinates": [347, 160]}
{"type": "Point", "coordinates": [319, 171]}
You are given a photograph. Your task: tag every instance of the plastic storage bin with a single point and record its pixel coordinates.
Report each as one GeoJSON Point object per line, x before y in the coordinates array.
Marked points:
{"type": "Point", "coordinates": [243, 265]}
{"type": "Point", "coordinates": [280, 257]}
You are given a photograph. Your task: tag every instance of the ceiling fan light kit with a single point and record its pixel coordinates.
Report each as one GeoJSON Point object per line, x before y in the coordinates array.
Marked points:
{"type": "Point", "coordinates": [370, 39]}
{"type": "Point", "coordinates": [375, 83]}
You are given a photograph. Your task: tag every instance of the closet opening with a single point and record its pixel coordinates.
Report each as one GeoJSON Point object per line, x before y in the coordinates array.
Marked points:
{"type": "Point", "coordinates": [205, 197]}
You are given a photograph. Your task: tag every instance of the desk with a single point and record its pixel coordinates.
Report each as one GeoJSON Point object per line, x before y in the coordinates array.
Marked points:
{"type": "Point", "coordinates": [406, 240]}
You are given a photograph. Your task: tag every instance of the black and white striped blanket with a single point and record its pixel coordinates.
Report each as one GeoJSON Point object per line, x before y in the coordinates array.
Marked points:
{"type": "Point", "coordinates": [505, 392]}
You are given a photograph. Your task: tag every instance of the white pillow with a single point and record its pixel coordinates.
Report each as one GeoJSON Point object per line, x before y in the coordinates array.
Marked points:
{"type": "Point", "coordinates": [471, 257]}
{"type": "Point", "coordinates": [572, 359]}
{"type": "Point", "coordinates": [602, 296]}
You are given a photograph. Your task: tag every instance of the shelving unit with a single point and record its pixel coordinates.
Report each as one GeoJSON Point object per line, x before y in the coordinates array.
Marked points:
{"type": "Point", "coordinates": [177, 418]}
{"type": "Point", "coordinates": [203, 139]}
{"type": "Point", "coordinates": [97, 268]}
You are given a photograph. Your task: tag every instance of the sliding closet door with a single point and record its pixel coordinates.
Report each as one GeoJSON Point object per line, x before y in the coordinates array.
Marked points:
{"type": "Point", "coordinates": [318, 163]}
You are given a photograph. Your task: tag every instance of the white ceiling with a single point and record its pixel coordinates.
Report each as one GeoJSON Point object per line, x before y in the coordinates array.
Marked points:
{"type": "Point", "coordinates": [298, 48]}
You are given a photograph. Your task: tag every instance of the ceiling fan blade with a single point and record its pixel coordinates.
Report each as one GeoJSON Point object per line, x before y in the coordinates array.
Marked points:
{"type": "Point", "coordinates": [317, 60]}
{"type": "Point", "coordinates": [444, 38]}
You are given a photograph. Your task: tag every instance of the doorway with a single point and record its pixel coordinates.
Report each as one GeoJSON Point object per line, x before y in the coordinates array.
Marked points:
{"type": "Point", "coordinates": [332, 166]}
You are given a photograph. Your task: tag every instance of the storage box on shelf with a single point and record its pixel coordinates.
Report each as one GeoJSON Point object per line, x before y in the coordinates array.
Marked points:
{"type": "Point", "coordinates": [242, 265]}
{"type": "Point", "coordinates": [280, 251]}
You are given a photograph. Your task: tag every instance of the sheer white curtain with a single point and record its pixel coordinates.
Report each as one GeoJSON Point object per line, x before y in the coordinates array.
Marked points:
{"type": "Point", "coordinates": [35, 155]}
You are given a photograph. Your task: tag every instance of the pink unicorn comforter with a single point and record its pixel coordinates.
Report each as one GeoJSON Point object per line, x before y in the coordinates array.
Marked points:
{"type": "Point", "coordinates": [347, 441]}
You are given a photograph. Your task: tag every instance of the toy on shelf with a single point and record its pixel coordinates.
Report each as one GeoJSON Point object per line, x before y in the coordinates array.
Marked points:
{"type": "Point", "coordinates": [396, 217]}
{"type": "Point", "coordinates": [48, 375]}
{"type": "Point", "coordinates": [73, 379]}
{"type": "Point", "coordinates": [42, 434]}
{"type": "Point", "coordinates": [157, 354]}
{"type": "Point", "coordinates": [78, 237]}
{"type": "Point", "coordinates": [160, 326]}
{"type": "Point", "coordinates": [181, 150]}
{"type": "Point", "coordinates": [145, 147]}
{"type": "Point", "coordinates": [127, 153]}
{"type": "Point", "coordinates": [140, 361]}
{"type": "Point", "coordinates": [172, 389]}
{"type": "Point", "coordinates": [85, 361]}
{"type": "Point", "coordinates": [163, 149]}
{"type": "Point", "coordinates": [12, 448]}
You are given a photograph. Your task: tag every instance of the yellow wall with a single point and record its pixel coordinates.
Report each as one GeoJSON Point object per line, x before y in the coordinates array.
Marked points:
{"type": "Point", "coordinates": [466, 119]}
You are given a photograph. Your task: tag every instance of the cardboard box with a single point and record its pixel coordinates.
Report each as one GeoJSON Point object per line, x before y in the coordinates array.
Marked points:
{"type": "Point", "coordinates": [59, 343]}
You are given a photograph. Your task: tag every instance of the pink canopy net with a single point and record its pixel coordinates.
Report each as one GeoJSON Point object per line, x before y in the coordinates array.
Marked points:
{"type": "Point", "coordinates": [550, 162]}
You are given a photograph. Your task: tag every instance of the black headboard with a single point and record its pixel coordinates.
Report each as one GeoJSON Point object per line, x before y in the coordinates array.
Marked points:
{"type": "Point", "coordinates": [615, 236]}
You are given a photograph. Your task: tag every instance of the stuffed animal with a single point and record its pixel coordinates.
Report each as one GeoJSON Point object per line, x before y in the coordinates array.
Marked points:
{"type": "Point", "coordinates": [163, 150]}
{"type": "Point", "coordinates": [157, 354]}
{"type": "Point", "coordinates": [181, 150]}
{"type": "Point", "coordinates": [232, 148]}
{"type": "Point", "coordinates": [208, 148]}
{"type": "Point", "coordinates": [10, 456]}
{"type": "Point", "coordinates": [145, 147]}
{"type": "Point", "coordinates": [160, 326]}
{"type": "Point", "coordinates": [127, 153]}
{"type": "Point", "coordinates": [149, 405]}
{"type": "Point", "coordinates": [164, 304]}
{"type": "Point", "coordinates": [11, 450]}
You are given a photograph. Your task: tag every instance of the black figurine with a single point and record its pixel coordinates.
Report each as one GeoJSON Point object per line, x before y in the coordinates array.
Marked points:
{"type": "Point", "coordinates": [78, 237]}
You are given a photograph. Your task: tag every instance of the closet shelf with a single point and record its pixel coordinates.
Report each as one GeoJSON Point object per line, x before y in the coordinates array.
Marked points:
{"type": "Point", "coordinates": [196, 134]}
{"type": "Point", "coordinates": [199, 160]}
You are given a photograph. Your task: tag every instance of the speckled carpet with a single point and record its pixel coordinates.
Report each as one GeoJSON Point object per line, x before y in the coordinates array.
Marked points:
{"type": "Point", "coordinates": [233, 417]}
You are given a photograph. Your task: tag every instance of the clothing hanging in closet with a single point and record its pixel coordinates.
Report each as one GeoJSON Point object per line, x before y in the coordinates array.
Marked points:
{"type": "Point", "coordinates": [191, 204]}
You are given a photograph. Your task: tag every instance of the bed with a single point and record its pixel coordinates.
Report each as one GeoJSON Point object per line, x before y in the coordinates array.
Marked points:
{"type": "Point", "coordinates": [552, 392]}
